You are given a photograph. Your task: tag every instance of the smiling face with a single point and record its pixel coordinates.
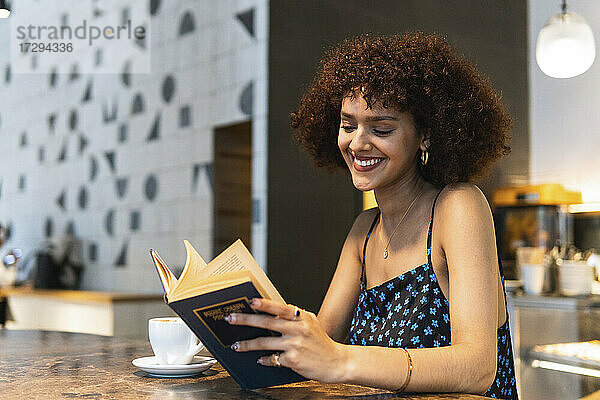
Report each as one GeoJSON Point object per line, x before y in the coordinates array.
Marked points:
{"type": "Point", "coordinates": [380, 145]}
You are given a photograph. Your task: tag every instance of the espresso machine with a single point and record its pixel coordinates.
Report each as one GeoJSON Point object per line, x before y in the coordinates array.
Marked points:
{"type": "Point", "coordinates": [531, 216]}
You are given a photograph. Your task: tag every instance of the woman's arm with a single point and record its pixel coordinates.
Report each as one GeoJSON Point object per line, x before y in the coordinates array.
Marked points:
{"type": "Point", "coordinates": [466, 235]}
{"type": "Point", "coordinates": [338, 306]}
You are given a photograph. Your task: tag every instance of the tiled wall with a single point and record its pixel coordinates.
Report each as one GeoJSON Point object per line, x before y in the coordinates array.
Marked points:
{"type": "Point", "coordinates": [125, 160]}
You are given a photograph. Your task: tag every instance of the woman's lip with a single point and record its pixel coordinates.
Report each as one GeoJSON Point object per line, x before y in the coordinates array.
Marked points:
{"type": "Point", "coordinates": [362, 158]}
{"type": "Point", "coordinates": [360, 168]}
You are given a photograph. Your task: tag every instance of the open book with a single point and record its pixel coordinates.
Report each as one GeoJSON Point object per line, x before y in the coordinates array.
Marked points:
{"type": "Point", "coordinates": [204, 294]}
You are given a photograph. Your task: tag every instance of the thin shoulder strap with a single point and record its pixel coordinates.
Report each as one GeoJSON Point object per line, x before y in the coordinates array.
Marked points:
{"type": "Point", "coordinates": [431, 229]}
{"type": "Point", "coordinates": [362, 275]}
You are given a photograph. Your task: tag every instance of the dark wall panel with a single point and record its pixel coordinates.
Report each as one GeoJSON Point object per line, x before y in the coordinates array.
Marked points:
{"type": "Point", "coordinates": [310, 212]}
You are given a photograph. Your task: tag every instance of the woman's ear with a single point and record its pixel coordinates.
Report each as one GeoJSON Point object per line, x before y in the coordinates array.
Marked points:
{"type": "Point", "coordinates": [424, 143]}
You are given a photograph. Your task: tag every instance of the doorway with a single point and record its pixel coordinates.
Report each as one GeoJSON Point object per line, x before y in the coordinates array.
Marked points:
{"type": "Point", "coordinates": [232, 216]}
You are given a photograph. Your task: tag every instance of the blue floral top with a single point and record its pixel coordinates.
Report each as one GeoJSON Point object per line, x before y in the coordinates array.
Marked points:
{"type": "Point", "coordinates": [411, 311]}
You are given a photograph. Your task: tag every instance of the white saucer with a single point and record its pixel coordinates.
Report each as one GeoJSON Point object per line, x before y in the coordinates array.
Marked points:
{"type": "Point", "coordinates": [151, 366]}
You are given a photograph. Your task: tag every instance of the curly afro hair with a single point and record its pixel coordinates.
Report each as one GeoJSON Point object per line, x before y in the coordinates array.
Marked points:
{"type": "Point", "coordinates": [452, 104]}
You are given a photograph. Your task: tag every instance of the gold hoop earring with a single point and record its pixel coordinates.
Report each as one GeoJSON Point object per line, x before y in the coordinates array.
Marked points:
{"type": "Point", "coordinates": [424, 157]}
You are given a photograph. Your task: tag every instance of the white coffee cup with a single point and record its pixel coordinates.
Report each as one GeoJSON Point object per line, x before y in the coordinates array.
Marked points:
{"type": "Point", "coordinates": [533, 277]}
{"type": "Point", "coordinates": [172, 341]}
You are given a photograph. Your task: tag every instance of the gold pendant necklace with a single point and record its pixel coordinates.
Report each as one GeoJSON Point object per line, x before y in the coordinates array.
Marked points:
{"type": "Point", "coordinates": [385, 249]}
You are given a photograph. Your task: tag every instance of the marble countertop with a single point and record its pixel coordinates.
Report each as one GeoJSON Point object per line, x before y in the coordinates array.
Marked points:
{"type": "Point", "coordinates": [55, 365]}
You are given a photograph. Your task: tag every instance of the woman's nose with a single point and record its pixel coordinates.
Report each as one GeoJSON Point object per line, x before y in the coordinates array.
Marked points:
{"type": "Point", "coordinates": [360, 141]}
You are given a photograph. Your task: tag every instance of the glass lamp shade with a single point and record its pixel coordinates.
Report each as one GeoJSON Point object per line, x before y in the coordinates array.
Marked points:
{"type": "Point", "coordinates": [565, 46]}
{"type": "Point", "coordinates": [4, 13]}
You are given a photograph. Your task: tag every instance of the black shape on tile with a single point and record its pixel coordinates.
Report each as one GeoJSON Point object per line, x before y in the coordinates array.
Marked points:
{"type": "Point", "coordinates": [187, 24]}
{"type": "Point", "coordinates": [109, 111]}
{"type": "Point", "coordinates": [62, 155]}
{"type": "Point", "coordinates": [7, 74]}
{"type": "Point", "coordinates": [110, 157]}
{"type": "Point", "coordinates": [41, 154]}
{"type": "Point", "coordinates": [168, 88]}
{"type": "Point", "coordinates": [10, 230]}
{"type": "Point", "coordinates": [134, 220]}
{"type": "Point", "coordinates": [34, 62]}
{"type": "Point", "coordinates": [137, 105]}
{"type": "Point", "coordinates": [87, 95]}
{"type": "Point", "coordinates": [196, 175]}
{"type": "Point", "coordinates": [53, 77]}
{"type": "Point", "coordinates": [185, 116]}
{"type": "Point", "coordinates": [247, 19]}
{"type": "Point", "coordinates": [154, 6]}
{"type": "Point", "coordinates": [48, 227]}
{"type": "Point", "coordinates": [125, 16]}
{"type": "Point", "coordinates": [122, 187]}
{"type": "Point", "coordinates": [246, 99]}
{"type": "Point", "coordinates": [255, 211]}
{"type": "Point", "coordinates": [208, 167]}
{"type": "Point", "coordinates": [92, 252]}
{"type": "Point", "coordinates": [122, 133]}
{"type": "Point", "coordinates": [51, 122]}
{"type": "Point", "coordinates": [151, 187]}
{"type": "Point", "coordinates": [93, 168]}
{"type": "Point", "coordinates": [22, 181]}
{"type": "Point", "coordinates": [98, 57]}
{"type": "Point", "coordinates": [98, 12]}
{"type": "Point", "coordinates": [155, 130]}
{"type": "Point", "coordinates": [23, 140]}
{"type": "Point", "coordinates": [74, 72]}
{"type": "Point", "coordinates": [62, 200]}
{"type": "Point", "coordinates": [64, 20]}
{"type": "Point", "coordinates": [82, 198]}
{"type": "Point", "coordinates": [83, 143]}
{"type": "Point", "coordinates": [141, 41]}
{"type": "Point", "coordinates": [73, 119]}
{"type": "Point", "coordinates": [109, 222]}
{"type": "Point", "coordinates": [121, 260]}
{"type": "Point", "coordinates": [70, 230]}
{"type": "Point", "coordinates": [126, 74]}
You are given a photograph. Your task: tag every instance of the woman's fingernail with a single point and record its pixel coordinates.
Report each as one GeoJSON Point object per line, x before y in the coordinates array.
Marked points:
{"type": "Point", "coordinates": [230, 318]}
{"type": "Point", "coordinates": [255, 302]}
{"type": "Point", "coordinates": [259, 361]}
{"type": "Point", "coordinates": [235, 346]}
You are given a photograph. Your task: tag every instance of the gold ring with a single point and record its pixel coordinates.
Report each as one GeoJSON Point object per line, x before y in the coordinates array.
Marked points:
{"type": "Point", "coordinates": [276, 360]}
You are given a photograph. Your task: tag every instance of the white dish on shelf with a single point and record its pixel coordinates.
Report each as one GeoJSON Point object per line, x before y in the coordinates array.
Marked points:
{"type": "Point", "coordinates": [575, 278]}
{"type": "Point", "coordinates": [151, 366]}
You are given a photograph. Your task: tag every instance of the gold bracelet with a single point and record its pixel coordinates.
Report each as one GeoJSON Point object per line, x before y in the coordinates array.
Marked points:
{"type": "Point", "coordinates": [410, 368]}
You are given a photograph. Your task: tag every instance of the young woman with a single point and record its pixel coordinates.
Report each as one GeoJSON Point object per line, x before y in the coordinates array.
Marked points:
{"type": "Point", "coordinates": [417, 302]}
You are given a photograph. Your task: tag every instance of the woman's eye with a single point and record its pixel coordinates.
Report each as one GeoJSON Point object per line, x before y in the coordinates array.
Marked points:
{"type": "Point", "coordinates": [382, 132]}
{"type": "Point", "coordinates": [347, 128]}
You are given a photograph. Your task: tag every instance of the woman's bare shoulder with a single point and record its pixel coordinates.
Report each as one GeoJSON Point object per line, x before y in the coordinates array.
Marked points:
{"type": "Point", "coordinates": [461, 200]}
{"type": "Point", "coordinates": [361, 226]}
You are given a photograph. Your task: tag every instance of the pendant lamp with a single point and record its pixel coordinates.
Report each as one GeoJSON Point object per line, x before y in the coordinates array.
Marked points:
{"type": "Point", "coordinates": [4, 9]}
{"type": "Point", "coordinates": [565, 45]}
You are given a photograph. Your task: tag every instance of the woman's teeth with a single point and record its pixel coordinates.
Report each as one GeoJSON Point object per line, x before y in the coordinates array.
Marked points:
{"type": "Point", "coordinates": [368, 162]}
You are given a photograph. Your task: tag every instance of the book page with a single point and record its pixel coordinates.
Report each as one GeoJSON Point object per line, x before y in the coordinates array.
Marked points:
{"type": "Point", "coordinates": [194, 269]}
{"type": "Point", "coordinates": [237, 257]}
{"type": "Point", "coordinates": [191, 289]}
{"type": "Point", "coordinates": [167, 278]}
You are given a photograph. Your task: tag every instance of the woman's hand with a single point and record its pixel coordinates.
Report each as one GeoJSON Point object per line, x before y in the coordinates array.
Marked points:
{"type": "Point", "coordinates": [304, 345]}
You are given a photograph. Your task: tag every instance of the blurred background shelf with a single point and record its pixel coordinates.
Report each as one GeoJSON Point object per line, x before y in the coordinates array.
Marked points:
{"type": "Point", "coordinates": [100, 313]}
